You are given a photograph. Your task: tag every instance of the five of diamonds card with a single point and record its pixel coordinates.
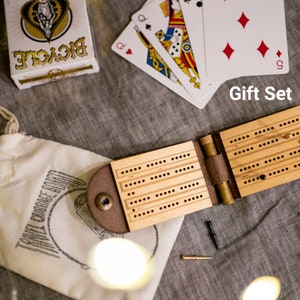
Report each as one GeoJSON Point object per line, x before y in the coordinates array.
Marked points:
{"type": "Point", "coordinates": [193, 46]}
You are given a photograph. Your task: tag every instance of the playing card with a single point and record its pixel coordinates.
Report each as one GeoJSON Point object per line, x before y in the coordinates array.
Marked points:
{"type": "Point", "coordinates": [163, 25]}
{"type": "Point", "coordinates": [245, 38]}
{"type": "Point", "coordinates": [134, 47]}
{"type": "Point", "coordinates": [193, 16]}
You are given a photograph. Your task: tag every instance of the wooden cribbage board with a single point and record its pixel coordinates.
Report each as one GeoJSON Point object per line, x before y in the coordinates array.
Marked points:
{"type": "Point", "coordinates": [149, 188]}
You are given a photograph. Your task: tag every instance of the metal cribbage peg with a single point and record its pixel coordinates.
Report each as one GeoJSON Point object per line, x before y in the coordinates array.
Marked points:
{"type": "Point", "coordinates": [194, 257]}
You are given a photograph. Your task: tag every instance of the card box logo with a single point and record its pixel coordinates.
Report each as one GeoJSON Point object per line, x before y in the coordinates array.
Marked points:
{"type": "Point", "coordinates": [45, 20]}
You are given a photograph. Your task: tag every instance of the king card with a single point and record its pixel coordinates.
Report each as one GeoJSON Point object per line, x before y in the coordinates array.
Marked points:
{"type": "Point", "coordinates": [163, 25]}
{"type": "Point", "coordinates": [245, 38]}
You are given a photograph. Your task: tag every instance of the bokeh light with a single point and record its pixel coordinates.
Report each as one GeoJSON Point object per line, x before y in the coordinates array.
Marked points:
{"type": "Point", "coordinates": [263, 288]}
{"type": "Point", "coordinates": [120, 264]}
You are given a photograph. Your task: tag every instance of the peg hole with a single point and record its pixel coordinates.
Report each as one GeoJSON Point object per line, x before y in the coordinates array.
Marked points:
{"type": "Point", "coordinates": [263, 177]}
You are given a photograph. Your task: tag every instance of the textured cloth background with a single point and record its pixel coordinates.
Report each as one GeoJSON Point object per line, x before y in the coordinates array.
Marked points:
{"type": "Point", "coordinates": [122, 111]}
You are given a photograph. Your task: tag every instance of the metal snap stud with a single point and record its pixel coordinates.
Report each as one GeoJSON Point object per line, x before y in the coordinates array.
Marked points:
{"type": "Point", "coordinates": [104, 201]}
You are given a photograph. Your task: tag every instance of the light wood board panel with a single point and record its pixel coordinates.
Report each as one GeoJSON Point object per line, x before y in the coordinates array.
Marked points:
{"type": "Point", "coordinates": [159, 185]}
{"type": "Point", "coordinates": [266, 152]}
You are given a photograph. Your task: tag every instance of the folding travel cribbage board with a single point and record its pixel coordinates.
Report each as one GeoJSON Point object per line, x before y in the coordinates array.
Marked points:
{"type": "Point", "coordinates": [146, 189]}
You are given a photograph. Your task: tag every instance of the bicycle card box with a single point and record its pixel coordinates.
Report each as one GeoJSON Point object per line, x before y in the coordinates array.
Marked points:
{"type": "Point", "coordinates": [48, 40]}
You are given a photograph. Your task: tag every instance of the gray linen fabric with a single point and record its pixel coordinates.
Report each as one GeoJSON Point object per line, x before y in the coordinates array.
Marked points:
{"type": "Point", "coordinates": [121, 111]}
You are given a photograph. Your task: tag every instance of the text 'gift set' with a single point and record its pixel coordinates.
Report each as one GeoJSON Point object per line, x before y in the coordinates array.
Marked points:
{"type": "Point", "coordinates": [48, 40]}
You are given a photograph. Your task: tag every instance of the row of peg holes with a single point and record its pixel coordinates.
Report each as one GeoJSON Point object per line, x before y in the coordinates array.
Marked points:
{"type": "Point", "coordinates": [266, 162]}
{"type": "Point", "coordinates": [148, 212]}
{"type": "Point", "coordinates": [249, 167]}
{"type": "Point", "coordinates": [274, 159]}
{"type": "Point", "coordinates": [148, 198]}
{"type": "Point", "coordinates": [193, 198]}
{"type": "Point", "coordinates": [295, 134]}
{"type": "Point", "coordinates": [264, 130]}
{"type": "Point", "coordinates": [294, 152]}
{"type": "Point", "coordinates": [188, 186]}
{"type": "Point", "coordinates": [131, 170]}
{"type": "Point", "coordinates": [135, 183]}
{"type": "Point", "coordinates": [263, 177]}
{"type": "Point", "coordinates": [159, 162]}
{"type": "Point", "coordinates": [170, 205]}
{"type": "Point", "coordinates": [244, 137]}
{"type": "Point", "coordinates": [268, 143]}
{"type": "Point", "coordinates": [239, 139]}
{"type": "Point", "coordinates": [156, 163]}
{"type": "Point", "coordinates": [278, 171]}
{"type": "Point", "coordinates": [139, 201]}
{"type": "Point", "coordinates": [142, 214]}
{"type": "Point", "coordinates": [163, 194]}
{"type": "Point", "coordinates": [289, 122]}
{"type": "Point", "coordinates": [244, 151]}
{"type": "Point", "coordinates": [159, 176]}
{"type": "Point", "coordinates": [270, 160]}
{"type": "Point", "coordinates": [260, 145]}
{"type": "Point", "coordinates": [180, 156]}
